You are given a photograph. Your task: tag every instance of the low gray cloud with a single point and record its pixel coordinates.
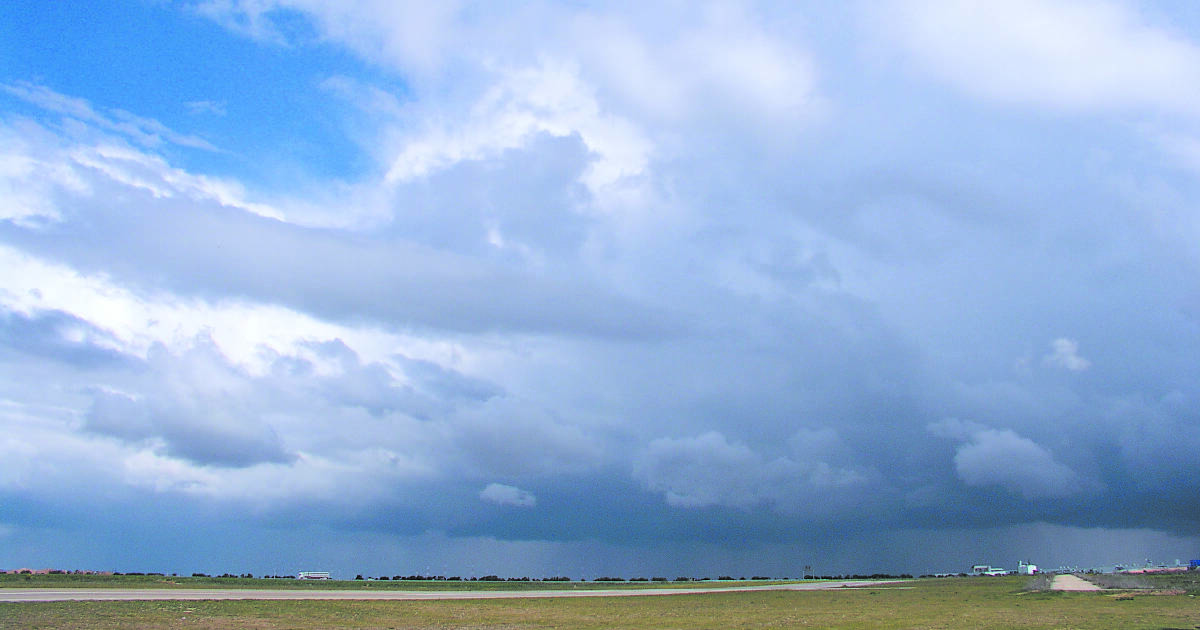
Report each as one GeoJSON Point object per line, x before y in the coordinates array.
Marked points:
{"type": "Point", "coordinates": [708, 470]}
{"type": "Point", "coordinates": [197, 406]}
{"type": "Point", "coordinates": [59, 335]}
{"type": "Point", "coordinates": [1002, 458]}
{"type": "Point", "coordinates": [207, 431]}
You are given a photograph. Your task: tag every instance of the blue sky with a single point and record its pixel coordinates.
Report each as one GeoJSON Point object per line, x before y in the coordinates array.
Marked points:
{"type": "Point", "coordinates": [576, 289]}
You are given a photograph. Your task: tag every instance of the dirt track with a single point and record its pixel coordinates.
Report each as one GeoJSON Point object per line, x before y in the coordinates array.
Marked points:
{"type": "Point", "coordinates": [116, 594]}
{"type": "Point", "coordinates": [1068, 582]}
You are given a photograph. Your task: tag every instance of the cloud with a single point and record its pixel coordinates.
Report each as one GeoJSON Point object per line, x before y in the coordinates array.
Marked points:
{"type": "Point", "coordinates": [717, 59]}
{"type": "Point", "coordinates": [595, 74]}
{"type": "Point", "coordinates": [1001, 457]}
{"type": "Point", "coordinates": [1155, 437]}
{"type": "Point", "coordinates": [700, 471]}
{"type": "Point", "coordinates": [551, 99]}
{"type": "Point", "coordinates": [30, 176]}
{"type": "Point", "coordinates": [339, 275]}
{"type": "Point", "coordinates": [697, 276]}
{"type": "Point", "coordinates": [144, 131]}
{"type": "Point", "coordinates": [411, 37]}
{"type": "Point", "coordinates": [1065, 54]}
{"type": "Point", "coordinates": [63, 336]}
{"type": "Point", "coordinates": [45, 168]}
{"type": "Point", "coordinates": [215, 108]}
{"type": "Point", "coordinates": [708, 470]}
{"type": "Point", "coordinates": [515, 437]}
{"type": "Point", "coordinates": [195, 408]}
{"type": "Point", "coordinates": [501, 494]}
{"type": "Point", "coordinates": [1065, 354]}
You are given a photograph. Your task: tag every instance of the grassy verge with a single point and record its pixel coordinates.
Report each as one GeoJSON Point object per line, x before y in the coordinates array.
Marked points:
{"type": "Point", "coordinates": [943, 603]}
{"type": "Point", "coordinates": [1188, 583]}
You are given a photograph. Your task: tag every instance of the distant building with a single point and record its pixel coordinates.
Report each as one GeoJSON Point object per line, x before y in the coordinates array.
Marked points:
{"type": "Point", "coordinates": [985, 569]}
{"type": "Point", "coordinates": [1024, 568]}
{"type": "Point", "coordinates": [313, 575]}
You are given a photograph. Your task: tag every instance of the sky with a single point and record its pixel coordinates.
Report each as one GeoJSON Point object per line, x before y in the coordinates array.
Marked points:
{"type": "Point", "coordinates": [589, 289]}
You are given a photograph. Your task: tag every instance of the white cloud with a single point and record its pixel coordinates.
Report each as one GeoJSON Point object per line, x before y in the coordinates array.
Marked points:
{"type": "Point", "coordinates": [215, 108]}
{"type": "Point", "coordinates": [28, 183]}
{"type": "Point", "coordinates": [39, 164]}
{"type": "Point", "coordinates": [1058, 53]}
{"type": "Point", "coordinates": [1064, 353]}
{"type": "Point", "coordinates": [607, 77]}
{"type": "Point", "coordinates": [413, 37]}
{"type": "Point", "coordinates": [501, 494]}
{"type": "Point", "coordinates": [151, 173]}
{"type": "Point", "coordinates": [137, 321]}
{"type": "Point", "coordinates": [144, 131]}
{"type": "Point", "coordinates": [551, 99]}
{"type": "Point", "coordinates": [716, 59]}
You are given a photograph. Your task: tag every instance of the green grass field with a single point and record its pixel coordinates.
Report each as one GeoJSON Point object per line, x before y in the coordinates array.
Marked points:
{"type": "Point", "coordinates": [940, 603]}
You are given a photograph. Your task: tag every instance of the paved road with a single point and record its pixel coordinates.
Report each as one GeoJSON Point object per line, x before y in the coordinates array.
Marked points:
{"type": "Point", "coordinates": [118, 594]}
{"type": "Point", "coordinates": [1068, 582]}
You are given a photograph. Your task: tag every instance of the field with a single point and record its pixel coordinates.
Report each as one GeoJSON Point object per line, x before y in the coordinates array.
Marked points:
{"type": "Point", "coordinates": [935, 603]}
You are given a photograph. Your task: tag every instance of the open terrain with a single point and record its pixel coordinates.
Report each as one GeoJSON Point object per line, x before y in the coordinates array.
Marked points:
{"type": "Point", "coordinates": [934, 603]}
{"type": "Point", "coordinates": [368, 593]}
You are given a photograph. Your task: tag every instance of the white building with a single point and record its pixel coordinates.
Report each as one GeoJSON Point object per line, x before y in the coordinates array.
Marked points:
{"type": "Point", "coordinates": [1024, 568]}
{"type": "Point", "coordinates": [313, 575]}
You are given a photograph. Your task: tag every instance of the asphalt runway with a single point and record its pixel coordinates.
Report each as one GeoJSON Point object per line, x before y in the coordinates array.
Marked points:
{"type": "Point", "coordinates": [179, 594]}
